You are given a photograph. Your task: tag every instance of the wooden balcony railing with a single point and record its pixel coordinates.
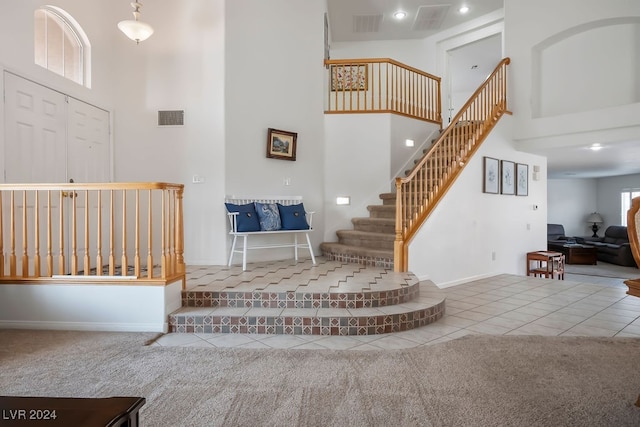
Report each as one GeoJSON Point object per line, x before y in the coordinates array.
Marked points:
{"type": "Point", "coordinates": [96, 232]}
{"type": "Point", "coordinates": [427, 183]}
{"type": "Point", "coordinates": [382, 85]}
{"type": "Point", "coordinates": [633, 230]}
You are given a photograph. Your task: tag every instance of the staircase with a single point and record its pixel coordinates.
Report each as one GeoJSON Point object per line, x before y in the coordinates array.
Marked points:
{"type": "Point", "coordinates": [382, 239]}
{"type": "Point", "coordinates": [370, 242]}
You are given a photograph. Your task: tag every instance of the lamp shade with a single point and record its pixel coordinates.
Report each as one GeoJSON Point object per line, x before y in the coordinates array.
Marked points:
{"type": "Point", "coordinates": [135, 30]}
{"type": "Point", "coordinates": [594, 218]}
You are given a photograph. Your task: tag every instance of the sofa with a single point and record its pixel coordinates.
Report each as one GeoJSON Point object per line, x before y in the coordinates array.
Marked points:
{"type": "Point", "coordinates": [614, 247]}
{"type": "Point", "coordinates": [556, 237]}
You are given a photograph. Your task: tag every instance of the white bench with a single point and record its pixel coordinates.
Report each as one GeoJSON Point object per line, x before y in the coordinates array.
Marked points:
{"type": "Point", "coordinates": [285, 201]}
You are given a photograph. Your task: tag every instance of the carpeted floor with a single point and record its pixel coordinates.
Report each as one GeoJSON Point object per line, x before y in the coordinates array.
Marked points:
{"type": "Point", "coordinates": [472, 381]}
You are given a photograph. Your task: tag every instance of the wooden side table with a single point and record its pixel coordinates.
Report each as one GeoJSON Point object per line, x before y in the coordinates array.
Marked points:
{"type": "Point", "coordinates": [545, 264]}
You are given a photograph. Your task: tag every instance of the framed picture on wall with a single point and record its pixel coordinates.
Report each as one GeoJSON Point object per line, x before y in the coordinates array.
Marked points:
{"type": "Point", "coordinates": [491, 183]}
{"type": "Point", "coordinates": [281, 144]}
{"type": "Point", "coordinates": [508, 177]}
{"type": "Point", "coordinates": [522, 179]}
{"type": "Point", "coordinates": [349, 77]}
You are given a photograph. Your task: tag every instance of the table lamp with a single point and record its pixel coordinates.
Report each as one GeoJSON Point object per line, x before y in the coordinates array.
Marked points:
{"type": "Point", "coordinates": [596, 219]}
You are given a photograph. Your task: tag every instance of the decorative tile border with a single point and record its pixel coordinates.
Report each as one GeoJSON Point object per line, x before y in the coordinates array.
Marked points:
{"type": "Point", "coordinates": [307, 325]}
{"type": "Point", "coordinates": [259, 299]}
{"type": "Point", "coordinates": [370, 261]}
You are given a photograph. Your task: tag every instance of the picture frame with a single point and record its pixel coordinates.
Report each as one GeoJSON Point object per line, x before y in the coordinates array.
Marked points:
{"type": "Point", "coordinates": [508, 177]}
{"type": "Point", "coordinates": [522, 179]}
{"type": "Point", "coordinates": [349, 77]}
{"type": "Point", "coordinates": [281, 144]}
{"type": "Point", "coordinates": [491, 170]}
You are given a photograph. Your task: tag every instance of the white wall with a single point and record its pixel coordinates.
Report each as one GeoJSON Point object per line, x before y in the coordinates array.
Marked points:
{"type": "Point", "coordinates": [275, 79]}
{"type": "Point", "coordinates": [409, 52]}
{"type": "Point", "coordinates": [468, 226]}
{"type": "Point", "coordinates": [608, 191]}
{"type": "Point", "coordinates": [83, 306]}
{"type": "Point", "coordinates": [570, 202]}
{"type": "Point", "coordinates": [529, 24]}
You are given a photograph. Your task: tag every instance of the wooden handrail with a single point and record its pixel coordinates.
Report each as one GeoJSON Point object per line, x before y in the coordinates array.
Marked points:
{"type": "Point", "coordinates": [420, 191]}
{"type": "Point", "coordinates": [633, 230]}
{"type": "Point", "coordinates": [382, 85]}
{"type": "Point", "coordinates": [87, 235]}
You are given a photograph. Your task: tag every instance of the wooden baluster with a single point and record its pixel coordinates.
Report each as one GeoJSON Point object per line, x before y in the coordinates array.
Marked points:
{"type": "Point", "coordinates": [36, 235]}
{"type": "Point", "coordinates": [172, 235]}
{"type": "Point", "coordinates": [25, 255]}
{"type": "Point", "coordinates": [124, 261]}
{"type": "Point", "coordinates": [87, 260]}
{"type": "Point", "coordinates": [74, 233]}
{"type": "Point", "coordinates": [180, 267]}
{"type": "Point", "coordinates": [12, 254]}
{"type": "Point", "coordinates": [61, 257]}
{"type": "Point", "coordinates": [163, 237]}
{"type": "Point", "coordinates": [136, 255]}
{"type": "Point", "coordinates": [150, 239]}
{"type": "Point", "coordinates": [112, 235]}
{"type": "Point", "coordinates": [99, 236]}
{"type": "Point", "coordinates": [49, 237]}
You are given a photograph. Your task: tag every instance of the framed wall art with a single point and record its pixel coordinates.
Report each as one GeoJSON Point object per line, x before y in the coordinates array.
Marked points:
{"type": "Point", "coordinates": [491, 183]}
{"type": "Point", "coordinates": [508, 177]}
{"type": "Point", "coordinates": [522, 179]}
{"type": "Point", "coordinates": [281, 144]}
{"type": "Point", "coordinates": [349, 77]}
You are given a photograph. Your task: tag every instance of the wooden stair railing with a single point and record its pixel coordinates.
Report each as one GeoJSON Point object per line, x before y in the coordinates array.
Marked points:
{"type": "Point", "coordinates": [633, 230]}
{"type": "Point", "coordinates": [419, 192]}
{"type": "Point", "coordinates": [96, 232]}
{"type": "Point", "coordinates": [382, 85]}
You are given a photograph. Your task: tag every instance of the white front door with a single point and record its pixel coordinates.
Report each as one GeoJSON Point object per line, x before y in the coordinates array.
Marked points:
{"type": "Point", "coordinates": [52, 138]}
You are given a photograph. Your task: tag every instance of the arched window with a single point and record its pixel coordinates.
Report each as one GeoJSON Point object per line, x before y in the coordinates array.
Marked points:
{"type": "Point", "coordinates": [61, 46]}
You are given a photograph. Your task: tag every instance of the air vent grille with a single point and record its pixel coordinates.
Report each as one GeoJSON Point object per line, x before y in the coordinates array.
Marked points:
{"type": "Point", "coordinates": [366, 23]}
{"type": "Point", "coordinates": [171, 118]}
{"type": "Point", "coordinates": [430, 17]}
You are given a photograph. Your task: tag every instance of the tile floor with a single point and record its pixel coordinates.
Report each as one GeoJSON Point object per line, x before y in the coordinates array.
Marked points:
{"type": "Point", "coordinates": [500, 305]}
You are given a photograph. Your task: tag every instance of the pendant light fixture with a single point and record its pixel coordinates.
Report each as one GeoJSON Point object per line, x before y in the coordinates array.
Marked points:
{"type": "Point", "coordinates": [135, 29]}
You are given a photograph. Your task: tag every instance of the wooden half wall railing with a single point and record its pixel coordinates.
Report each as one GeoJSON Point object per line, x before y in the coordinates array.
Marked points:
{"type": "Point", "coordinates": [382, 85]}
{"type": "Point", "coordinates": [420, 191]}
{"type": "Point", "coordinates": [633, 230]}
{"type": "Point", "coordinates": [98, 232]}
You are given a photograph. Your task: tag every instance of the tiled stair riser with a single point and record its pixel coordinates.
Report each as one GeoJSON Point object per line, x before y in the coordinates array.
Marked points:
{"type": "Point", "coordinates": [307, 325]}
{"type": "Point", "coordinates": [300, 300]}
{"type": "Point", "coordinates": [360, 259]}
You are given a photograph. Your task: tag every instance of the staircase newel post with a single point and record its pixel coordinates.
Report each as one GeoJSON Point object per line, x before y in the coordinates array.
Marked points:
{"type": "Point", "coordinates": [398, 245]}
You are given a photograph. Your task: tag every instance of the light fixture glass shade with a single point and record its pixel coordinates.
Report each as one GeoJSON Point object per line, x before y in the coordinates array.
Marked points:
{"type": "Point", "coordinates": [594, 218]}
{"type": "Point", "coordinates": [135, 30]}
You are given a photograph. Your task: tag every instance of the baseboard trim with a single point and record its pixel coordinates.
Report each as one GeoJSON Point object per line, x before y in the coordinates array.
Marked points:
{"type": "Point", "coordinates": [85, 326]}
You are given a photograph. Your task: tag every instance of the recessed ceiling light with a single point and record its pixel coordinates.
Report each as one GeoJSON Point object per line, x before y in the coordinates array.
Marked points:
{"type": "Point", "coordinates": [400, 14]}
{"type": "Point", "coordinates": [595, 147]}
{"type": "Point", "coordinates": [464, 9]}
{"type": "Point", "coordinates": [409, 142]}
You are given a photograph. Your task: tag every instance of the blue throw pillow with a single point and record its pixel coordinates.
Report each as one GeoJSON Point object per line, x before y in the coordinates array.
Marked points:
{"type": "Point", "coordinates": [269, 216]}
{"type": "Point", "coordinates": [293, 217]}
{"type": "Point", "coordinates": [247, 219]}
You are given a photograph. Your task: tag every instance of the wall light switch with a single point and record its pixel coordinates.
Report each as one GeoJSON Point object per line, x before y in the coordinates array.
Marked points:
{"type": "Point", "coordinates": [198, 179]}
{"type": "Point", "coordinates": [287, 181]}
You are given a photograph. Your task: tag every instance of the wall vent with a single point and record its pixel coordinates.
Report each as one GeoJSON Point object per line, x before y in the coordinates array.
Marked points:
{"type": "Point", "coordinates": [171, 118]}
{"type": "Point", "coordinates": [430, 17]}
{"type": "Point", "coordinates": [366, 23]}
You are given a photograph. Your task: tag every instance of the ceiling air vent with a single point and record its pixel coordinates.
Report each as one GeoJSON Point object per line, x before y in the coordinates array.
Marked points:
{"type": "Point", "coordinates": [171, 118]}
{"type": "Point", "coordinates": [366, 23]}
{"type": "Point", "coordinates": [430, 17]}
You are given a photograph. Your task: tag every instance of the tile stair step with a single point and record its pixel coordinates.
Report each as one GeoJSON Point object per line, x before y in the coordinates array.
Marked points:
{"type": "Point", "coordinates": [426, 308]}
{"type": "Point", "coordinates": [366, 256]}
{"type": "Point", "coordinates": [374, 290]}
{"type": "Point", "coordinates": [367, 239]}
